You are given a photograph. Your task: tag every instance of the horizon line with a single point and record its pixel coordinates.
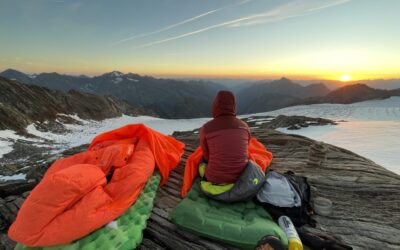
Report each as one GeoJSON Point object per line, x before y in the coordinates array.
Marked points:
{"type": "Point", "coordinates": [187, 76]}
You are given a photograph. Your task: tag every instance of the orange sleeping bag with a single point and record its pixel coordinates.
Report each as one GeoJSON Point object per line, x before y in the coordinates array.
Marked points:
{"type": "Point", "coordinates": [257, 153]}
{"type": "Point", "coordinates": [83, 192]}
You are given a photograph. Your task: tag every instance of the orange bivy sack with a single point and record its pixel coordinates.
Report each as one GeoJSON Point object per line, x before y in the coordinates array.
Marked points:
{"type": "Point", "coordinates": [83, 192]}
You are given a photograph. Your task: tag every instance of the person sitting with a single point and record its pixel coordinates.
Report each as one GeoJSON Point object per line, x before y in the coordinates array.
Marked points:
{"type": "Point", "coordinates": [224, 141]}
{"type": "Point", "coordinates": [227, 172]}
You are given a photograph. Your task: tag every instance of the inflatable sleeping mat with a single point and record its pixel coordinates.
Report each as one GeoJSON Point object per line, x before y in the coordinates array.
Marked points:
{"type": "Point", "coordinates": [240, 224]}
{"type": "Point", "coordinates": [126, 232]}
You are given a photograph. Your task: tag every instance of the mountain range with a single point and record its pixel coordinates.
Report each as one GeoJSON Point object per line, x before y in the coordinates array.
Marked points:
{"type": "Point", "coordinates": [177, 98]}
{"type": "Point", "coordinates": [277, 94]}
{"type": "Point", "coordinates": [168, 98]}
{"type": "Point", "coordinates": [350, 94]}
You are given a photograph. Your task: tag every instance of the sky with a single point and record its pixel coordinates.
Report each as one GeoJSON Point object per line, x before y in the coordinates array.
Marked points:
{"type": "Point", "coordinates": [257, 39]}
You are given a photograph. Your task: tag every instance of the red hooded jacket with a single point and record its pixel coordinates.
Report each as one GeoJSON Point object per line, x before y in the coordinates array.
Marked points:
{"type": "Point", "coordinates": [224, 141]}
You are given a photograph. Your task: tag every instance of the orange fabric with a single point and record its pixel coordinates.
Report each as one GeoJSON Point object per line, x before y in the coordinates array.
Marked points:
{"type": "Point", "coordinates": [257, 153]}
{"type": "Point", "coordinates": [74, 199]}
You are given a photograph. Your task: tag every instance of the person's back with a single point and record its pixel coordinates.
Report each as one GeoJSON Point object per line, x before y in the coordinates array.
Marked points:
{"type": "Point", "coordinates": [224, 141]}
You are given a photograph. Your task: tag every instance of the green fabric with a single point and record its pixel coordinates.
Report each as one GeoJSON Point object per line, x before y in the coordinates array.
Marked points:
{"type": "Point", "coordinates": [128, 234]}
{"type": "Point", "coordinates": [202, 169]}
{"type": "Point", "coordinates": [240, 224]}
{"type": "Point", "coordinates": [211, 188]}
{"type": "Point", "coordinates": [215, 189]}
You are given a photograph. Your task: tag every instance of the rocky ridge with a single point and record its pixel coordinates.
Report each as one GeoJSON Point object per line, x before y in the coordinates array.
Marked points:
{"type": "Point", "coordinates": [21, 105]}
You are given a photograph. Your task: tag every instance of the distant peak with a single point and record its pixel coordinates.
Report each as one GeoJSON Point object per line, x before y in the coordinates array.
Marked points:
{"type": "Point", "coordinates": [11, 71]}
{"type": "Point", "coordinates": [356, 86]}
{"type": "Point", "coordinates": [284, 79]}
{"type": "Point", "coordinates": [315, 85]}
{"type": "Point", "coordinates": [117, 73]}
{"type": "Point", "coordinates": [114, 73]}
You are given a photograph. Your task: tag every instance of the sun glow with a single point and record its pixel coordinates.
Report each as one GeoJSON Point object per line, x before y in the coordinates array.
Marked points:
{"type": "Point", "coordinates": [345, 78]}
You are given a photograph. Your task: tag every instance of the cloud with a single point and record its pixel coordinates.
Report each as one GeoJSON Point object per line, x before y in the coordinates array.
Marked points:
{"type": "Point", "coordinates": [289, 10]}
{"type": "Point", "coordinates": [179, 23]}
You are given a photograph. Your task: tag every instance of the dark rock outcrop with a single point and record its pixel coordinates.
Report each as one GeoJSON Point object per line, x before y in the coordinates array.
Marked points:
{"type": "Point", "coordinates": [22, 104]}
{"type": "Point", "coordinates": [290, 122]}
{"type": "Point", "coordinates": [15, 187]}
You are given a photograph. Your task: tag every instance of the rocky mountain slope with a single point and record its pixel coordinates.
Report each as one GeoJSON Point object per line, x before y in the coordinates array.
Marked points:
{"type": "Point", "coordinates": [168, 98]}
{"type": "Point", "coordinates": [351, 94]}
{"type": "Point", "coordinates": [22, 104]}
{"type": "Point", "coordinates": [365, 196]}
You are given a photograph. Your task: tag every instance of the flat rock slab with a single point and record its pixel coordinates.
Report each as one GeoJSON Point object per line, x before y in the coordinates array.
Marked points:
{"type": "Point", "coordinates": [365, 196]}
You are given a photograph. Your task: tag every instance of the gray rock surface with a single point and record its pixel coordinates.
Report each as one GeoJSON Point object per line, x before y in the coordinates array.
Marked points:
{"type": "Point", "coordinates": [365, 196]}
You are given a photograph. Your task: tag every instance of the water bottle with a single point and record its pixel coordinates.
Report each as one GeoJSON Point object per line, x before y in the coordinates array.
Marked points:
{"type": "Point", "coordinates": [287, 226]}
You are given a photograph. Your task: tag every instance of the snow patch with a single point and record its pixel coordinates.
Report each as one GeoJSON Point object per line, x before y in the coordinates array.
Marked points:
{"type": "Point", "coordinates": [7, 140]}
{"type": "Point", "coordinates": [12, 177]}
{"type": "Point", "coordinates": [131, 79]}
{"type": "Point", "coordinates": [74, 116]}
{"type": "Point", "coordinates": [117, 80]}
{"type": "Point", "coordinates": [5, 147]}
{"type": "Point", "coordinates": [84, 133]}
{"type": "Point", "coordinates": [261, 122]}
{"type": "Point", "coordinates": [261, 119]}
{"type": "Point", "coordinates": [116, 74]}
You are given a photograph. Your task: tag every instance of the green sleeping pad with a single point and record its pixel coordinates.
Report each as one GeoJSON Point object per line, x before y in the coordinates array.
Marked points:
{"type": "Point", "coordinates": [240, 224]}
{"type": "Point", "coordinates": [128, 232]}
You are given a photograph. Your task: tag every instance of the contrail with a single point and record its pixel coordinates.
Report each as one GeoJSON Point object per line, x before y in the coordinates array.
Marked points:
{"type": "Point", "coordinates": [280, 13]}
{"type": "Point", "coordinates": [180, 23]}
{"type": "Point", "coordinates": [294, 9]}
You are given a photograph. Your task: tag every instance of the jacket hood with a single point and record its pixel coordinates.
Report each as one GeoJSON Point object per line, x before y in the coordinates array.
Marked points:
{"type": "Point", "coordinates": [224, 104]}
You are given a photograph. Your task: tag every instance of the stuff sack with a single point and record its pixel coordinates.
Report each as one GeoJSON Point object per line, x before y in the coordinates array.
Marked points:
{"type": "Point", "coordinates": [287, 194]}
{"type": "Point", "coordinates": [246, 187]}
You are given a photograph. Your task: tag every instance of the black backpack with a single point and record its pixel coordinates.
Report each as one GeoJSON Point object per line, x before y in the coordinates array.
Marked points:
{"type": "Point", "coordinates": [299, 215]}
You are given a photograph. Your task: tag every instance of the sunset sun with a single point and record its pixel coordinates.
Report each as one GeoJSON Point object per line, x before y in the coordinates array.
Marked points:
{"type": "Point", "coordinates": [345, 78]}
